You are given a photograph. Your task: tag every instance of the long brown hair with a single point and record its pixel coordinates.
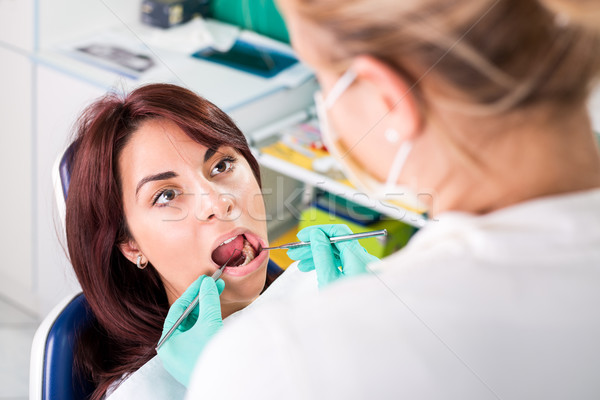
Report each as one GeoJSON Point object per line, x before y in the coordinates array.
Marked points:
{"type": "Point", "coordinates": [129, 304]}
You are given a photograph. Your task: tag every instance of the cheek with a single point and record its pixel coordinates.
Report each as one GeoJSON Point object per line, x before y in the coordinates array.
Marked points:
{"type": "Point", "coordinates": [248, 196]}
{"type": "Point", "coordinates": [173, 246]}
{"type": "Point", "coordinates": [361, 128]}
{"type": "Point", "coordinates": [170, 246]}
{"type": "Point", "coordinates": [256, 205]}
{"type": "Point", "coordinates": [250, 208]}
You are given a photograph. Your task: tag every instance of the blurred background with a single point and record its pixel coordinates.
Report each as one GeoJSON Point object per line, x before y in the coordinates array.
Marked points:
{"type": "Point", "coordinates": [57, 56]}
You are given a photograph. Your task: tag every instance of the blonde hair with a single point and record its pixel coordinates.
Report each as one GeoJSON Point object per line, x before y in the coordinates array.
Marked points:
{"type": "Point", "coordinates": [499, 55]}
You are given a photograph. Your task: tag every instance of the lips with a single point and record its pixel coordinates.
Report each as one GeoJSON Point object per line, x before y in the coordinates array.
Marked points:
{"type": "Point", "coordinates": [246, 243]}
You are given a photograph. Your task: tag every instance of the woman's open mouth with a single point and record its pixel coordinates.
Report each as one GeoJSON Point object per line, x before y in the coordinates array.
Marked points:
{"type": "Point", "coordinates": [245, 260]}
{"type": "Point", "coordinates": [222, 253]}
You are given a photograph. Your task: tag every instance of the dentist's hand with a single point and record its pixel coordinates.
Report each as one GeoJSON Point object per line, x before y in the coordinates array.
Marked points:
{"type": "Point", "coordinates": [325, 257]}
{"type": "Point", "coordinates": [180, 352]}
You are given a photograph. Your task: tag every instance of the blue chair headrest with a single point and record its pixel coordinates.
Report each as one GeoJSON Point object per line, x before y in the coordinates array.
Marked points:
{"type": "Point", "coordinates": [273, 269]}
{"type": "Point", "coordinates": [64, 170]}
{"type": "Point", "coordinates": [59, 381]}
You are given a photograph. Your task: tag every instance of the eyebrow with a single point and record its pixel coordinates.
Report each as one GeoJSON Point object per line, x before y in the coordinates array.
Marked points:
{"type": "Point", "coordinates": [156, 177]}
{"type": "Point", "coordinates": [209, 153]}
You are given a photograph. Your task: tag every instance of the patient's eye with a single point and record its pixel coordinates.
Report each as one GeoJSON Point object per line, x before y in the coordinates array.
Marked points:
{"type": "Point", "coordinates": [224, 165]}
{"type": "Point", "coordinates": [165, 196]}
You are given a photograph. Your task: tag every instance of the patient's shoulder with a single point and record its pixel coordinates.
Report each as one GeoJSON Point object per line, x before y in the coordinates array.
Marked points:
{"type": "Point", "coordinates": [292, 283]}
{"type": "Point", "coordinates": [150, 382]}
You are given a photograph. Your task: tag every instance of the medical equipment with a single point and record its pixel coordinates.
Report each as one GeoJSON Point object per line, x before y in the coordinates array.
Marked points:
{"type": "Point", "coordinates": [193, 304]}
{"type": "Point", "coordinates": [293, 245]}
{"type": "Point", "coordinates": [335, 239]}
{"type": "Point", "coordinates": [332, 262]}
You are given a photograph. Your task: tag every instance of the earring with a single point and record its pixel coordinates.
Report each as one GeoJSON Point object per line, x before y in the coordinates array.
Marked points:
{"type": "Point", "coordinates": [391, 135]}
{"type": "Point", "coordinates": [139, 262]}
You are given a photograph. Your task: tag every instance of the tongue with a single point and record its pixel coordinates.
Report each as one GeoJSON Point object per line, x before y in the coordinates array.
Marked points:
{"type": "Point", "coordinates": [222, 253]}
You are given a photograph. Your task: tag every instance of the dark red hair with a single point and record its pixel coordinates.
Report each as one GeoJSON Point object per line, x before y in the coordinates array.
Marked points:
{"type": "Point", "coordinates": [129, 304]}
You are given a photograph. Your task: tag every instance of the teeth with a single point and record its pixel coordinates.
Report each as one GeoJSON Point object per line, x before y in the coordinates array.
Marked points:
{"type": "Point", "coordinates": [228, 240]}
{"type": "Point", "coordinates": [248, 251]}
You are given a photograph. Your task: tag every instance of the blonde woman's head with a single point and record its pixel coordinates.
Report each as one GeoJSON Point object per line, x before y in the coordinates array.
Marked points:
{"type": "Point", "coordinates": [491, 56]}
{"type": "Point", "coordinates": [490, 93]}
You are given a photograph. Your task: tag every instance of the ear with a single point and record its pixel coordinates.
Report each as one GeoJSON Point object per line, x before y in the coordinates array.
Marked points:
{"type": "Point", "coordinates": [130, 250]}
{"type": "Point", "coordinates": [396, 93]}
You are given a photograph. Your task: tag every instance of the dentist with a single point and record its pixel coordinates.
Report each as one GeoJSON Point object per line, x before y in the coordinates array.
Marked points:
{"type": "Point", "coordinates": [482, 107]}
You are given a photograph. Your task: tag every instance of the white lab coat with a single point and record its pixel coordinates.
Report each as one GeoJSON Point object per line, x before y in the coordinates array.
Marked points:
{"type": "Point", "coordinates": [500, 306]}
{"type": "Point", "coordinates": [153, 382]}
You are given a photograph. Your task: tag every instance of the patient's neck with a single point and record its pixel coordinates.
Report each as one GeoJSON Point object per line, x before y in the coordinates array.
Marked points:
{"type": "Point", "coordinates": [230, 308]}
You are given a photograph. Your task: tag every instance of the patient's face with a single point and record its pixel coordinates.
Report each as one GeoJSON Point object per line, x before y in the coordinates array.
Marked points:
{"type": "Point", "coordinates": [182, 201]}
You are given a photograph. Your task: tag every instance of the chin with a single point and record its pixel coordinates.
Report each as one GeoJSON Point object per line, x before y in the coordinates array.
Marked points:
{"type": "Point", "coordinates": [245, 288]}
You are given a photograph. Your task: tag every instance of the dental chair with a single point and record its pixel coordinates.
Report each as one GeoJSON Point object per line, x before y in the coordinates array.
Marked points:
{"type": "Point", "coordinates": [51, 368]}
{"type": "Point", "coordinates": [52, 351]}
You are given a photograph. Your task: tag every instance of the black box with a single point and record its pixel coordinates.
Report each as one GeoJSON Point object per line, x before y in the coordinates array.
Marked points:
{"type": "Point", "coordinates": [168, 13]}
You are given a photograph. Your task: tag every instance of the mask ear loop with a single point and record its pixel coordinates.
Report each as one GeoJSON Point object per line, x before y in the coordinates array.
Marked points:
{"type": "Point", "coordinates": [398, 164]}
{"type": "Point", "coordinates": [340, 87]}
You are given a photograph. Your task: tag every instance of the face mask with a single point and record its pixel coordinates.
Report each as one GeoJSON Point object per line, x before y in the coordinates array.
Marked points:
{"type": "Point", "coordinates": [363, 181]}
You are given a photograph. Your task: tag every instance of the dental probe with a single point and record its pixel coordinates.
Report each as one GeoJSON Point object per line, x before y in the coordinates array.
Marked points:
{"type": "Point", "coordinates": [193, 304]}
{"type": "Point", "coordinates": [335, 239]}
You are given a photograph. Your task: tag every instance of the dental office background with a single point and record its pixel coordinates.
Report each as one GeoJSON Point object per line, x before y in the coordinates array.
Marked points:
{"type": "Point", "coordinates": [43, 88]}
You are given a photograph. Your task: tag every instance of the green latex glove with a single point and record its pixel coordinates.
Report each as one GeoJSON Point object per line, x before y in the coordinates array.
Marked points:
{"type": "Point", "coordinates": [180, 352]}
{"type": "Point", "coordinates": [332, 261]}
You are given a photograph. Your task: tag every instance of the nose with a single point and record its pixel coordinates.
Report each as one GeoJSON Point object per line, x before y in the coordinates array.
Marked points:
{"type": "Point", "coordinates": [215, 206]}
